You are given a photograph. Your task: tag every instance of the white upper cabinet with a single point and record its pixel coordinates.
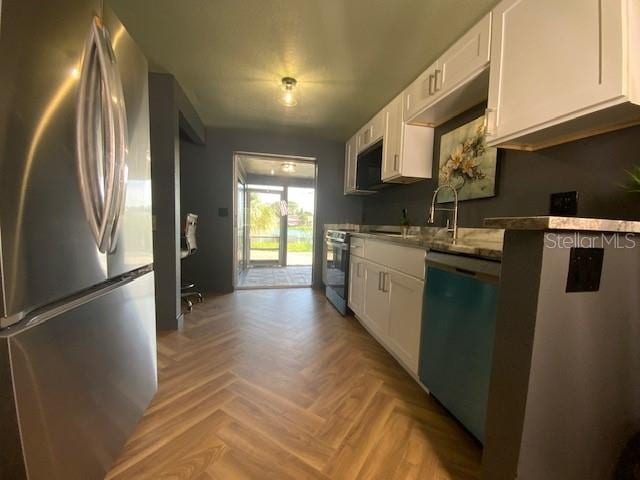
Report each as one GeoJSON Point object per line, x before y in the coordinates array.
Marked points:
{"type": "Point", "coordinates": [407, 150]}
{"type": "Point", "coordinates": [372, 132]}
{"type": "Point", "coordinates": [562, 70]}
{"type": "Point", "coordinates": [457, 81]}
{"type": "Point", "coordinates": [391, 161]}
{"type": "Point", "coordinates": [420, 93]}
{"type": "Point", "coordinates": [465, 59]}
{"type": "Point", "coordinates": [350, 160]}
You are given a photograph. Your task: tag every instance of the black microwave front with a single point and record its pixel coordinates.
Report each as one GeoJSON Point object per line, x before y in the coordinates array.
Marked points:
{"type": "Point", "coordinates": [369, 168]}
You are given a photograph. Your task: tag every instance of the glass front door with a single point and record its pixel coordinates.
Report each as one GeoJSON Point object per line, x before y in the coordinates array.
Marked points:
{"type": "Point", "coordinates": [265, 226]}
{"type": "Point", "coordinates": [241, 227]}
{"type": "Point", "coordinates": [301, 204]}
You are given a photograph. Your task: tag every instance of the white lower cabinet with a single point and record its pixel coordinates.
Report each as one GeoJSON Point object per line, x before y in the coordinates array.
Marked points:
{"type": "Point", "coordinates": [356, 284]}
{"type": "Point", "coordinates": [405, 317]}
{"type": "Point", "coordinates": [376, 299]}
{"type": "Point", "coordinates": [389, 302]}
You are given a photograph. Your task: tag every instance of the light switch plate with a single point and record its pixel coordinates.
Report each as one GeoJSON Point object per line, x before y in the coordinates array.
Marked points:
{"type": "Point", "coordinates": [564, 204]}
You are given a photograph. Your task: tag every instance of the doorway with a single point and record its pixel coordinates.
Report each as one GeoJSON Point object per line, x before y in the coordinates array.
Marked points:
{"type": "Point", "coordinates": [274, 215]}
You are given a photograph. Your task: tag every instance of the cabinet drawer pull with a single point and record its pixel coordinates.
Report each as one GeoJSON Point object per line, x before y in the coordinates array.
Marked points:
{"type": "Point", "coordinates": [436, 84]}
{"type": "Point", "coordinates": [385, 276]}
{"type": "Point", "coordinates": [396, 158]}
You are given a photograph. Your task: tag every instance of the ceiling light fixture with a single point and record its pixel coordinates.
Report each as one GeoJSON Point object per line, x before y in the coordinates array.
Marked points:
{"type": "Point", "coordinates": [288, 167]}
{"type": "Point", "coordinates": [272, 172]}
{"type": "Point", "coordinates": [289, 94]}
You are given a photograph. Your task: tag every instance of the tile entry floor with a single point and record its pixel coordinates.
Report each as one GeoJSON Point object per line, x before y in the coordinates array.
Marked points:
{"type": "Point", "coordinates": [267, 277]}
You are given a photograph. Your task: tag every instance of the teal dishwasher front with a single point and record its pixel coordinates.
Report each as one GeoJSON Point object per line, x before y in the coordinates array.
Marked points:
{"type": "Point", "coordinates": [458, 327]}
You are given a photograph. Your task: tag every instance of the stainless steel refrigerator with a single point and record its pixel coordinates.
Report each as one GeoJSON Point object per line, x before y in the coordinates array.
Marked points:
{"type": "Point", "coordinates": [77, 308]}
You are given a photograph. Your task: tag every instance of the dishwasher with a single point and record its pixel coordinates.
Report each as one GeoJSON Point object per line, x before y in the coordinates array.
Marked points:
{"type": "Point", "coordinates": [458, 326]}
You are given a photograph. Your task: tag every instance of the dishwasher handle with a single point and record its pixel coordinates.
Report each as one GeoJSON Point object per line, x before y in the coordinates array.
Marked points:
{"type": "Point", "coordinates": [486, 270]}
{"type": "Point", "coordinates": [466, 272]}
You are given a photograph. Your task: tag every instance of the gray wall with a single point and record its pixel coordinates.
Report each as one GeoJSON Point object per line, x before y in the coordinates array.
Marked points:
{"type": "Point", "coordinates": [169, 113]}
{"type": "Point", "coordinates": [207, 185]}
{"type": "Point", "coordinates": [594, 167]}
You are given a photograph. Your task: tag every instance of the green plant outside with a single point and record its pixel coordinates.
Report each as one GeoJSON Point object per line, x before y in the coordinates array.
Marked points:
{"type": "Point", "coordinates": [265, 221]}
{"type": "Point", "coordinates": [291, 247]}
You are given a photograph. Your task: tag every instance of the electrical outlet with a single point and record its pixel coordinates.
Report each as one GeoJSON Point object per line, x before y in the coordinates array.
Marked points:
{"type": "Point", "coordinates": [564, 204]}
{"type": "Point", "coordinates": [585, 269]}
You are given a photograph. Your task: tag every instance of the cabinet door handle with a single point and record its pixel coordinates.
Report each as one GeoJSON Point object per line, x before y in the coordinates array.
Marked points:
{"type": "Point", "coordinates": [490, 121]}
{"type": "Point", "coordinates": [358, 272]}
{"type": "Point", "coordinates": [431, 78]}
{"type": "Point", "coordinates": [385, 277]}
{"type": "Point", "coordinates": [396, 158]}
{"type": "Point", "coordinates": [379, 281]}
{"type": "Point", "coordinates": [436, 84]}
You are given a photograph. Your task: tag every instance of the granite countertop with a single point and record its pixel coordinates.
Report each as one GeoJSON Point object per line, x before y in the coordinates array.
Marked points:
{"type": "Point", "coordinates": [563, 223]}
{"type": "Point", "coordinates": [477, 242]}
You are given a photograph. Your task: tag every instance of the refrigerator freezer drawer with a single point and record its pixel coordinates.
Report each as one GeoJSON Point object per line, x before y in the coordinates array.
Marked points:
{"type": "Point", "coordinates": [83, 380]}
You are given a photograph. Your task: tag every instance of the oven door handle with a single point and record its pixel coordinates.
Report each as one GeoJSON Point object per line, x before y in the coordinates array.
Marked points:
{"type": "Point", "coordinates": [341, 246]}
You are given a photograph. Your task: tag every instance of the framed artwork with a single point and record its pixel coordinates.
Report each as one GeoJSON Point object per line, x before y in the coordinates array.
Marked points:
{"type": "Point", "coordinates": [466, 163]}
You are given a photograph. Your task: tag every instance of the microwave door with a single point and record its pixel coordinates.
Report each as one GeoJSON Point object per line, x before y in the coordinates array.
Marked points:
{"type": "Point", "coordinates": [369, 168]}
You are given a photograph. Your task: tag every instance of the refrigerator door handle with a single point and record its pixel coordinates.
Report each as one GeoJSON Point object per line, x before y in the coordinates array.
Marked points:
{"type": "Point", "coordinates": [98, 181]}
{"type": "Point", "coordinates": [115, 103]}
{"type": "Point", "coordinates": [89, 174]}
{"type": "Point", "coordinates": [123, 150]}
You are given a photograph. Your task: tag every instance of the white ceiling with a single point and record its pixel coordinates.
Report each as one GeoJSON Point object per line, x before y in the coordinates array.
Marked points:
{"type": "Point", "coordinates": [350, 57]}
{"type": "Point", "coordinates": [264, 165]}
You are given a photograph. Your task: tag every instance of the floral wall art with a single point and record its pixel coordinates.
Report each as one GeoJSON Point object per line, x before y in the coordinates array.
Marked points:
{"type": "Point", "coordinates": [466, 163]}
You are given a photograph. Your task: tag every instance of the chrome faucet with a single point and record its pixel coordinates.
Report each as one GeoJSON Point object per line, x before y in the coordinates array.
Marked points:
{"type": "Point", "coordinates": [433, 209]}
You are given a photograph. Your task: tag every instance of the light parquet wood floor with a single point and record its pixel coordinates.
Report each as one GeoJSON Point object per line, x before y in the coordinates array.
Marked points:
{"type": "Point", "coordinates": [275, 384]}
